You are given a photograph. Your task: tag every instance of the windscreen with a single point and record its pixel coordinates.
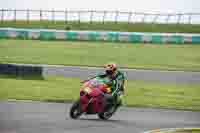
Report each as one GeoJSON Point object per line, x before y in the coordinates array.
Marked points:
{"type": "Point", "coordinates": [96, 83]}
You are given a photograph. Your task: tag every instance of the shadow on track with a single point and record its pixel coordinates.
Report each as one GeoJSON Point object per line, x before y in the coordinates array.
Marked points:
{"type": "Point", "coordinates": [111, 121]}
{"type": "Point", "coordinates": [98, 120]}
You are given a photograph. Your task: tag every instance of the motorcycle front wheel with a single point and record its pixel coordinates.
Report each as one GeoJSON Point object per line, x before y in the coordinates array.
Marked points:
{"type": "Point", "coordinates": [75, 110]}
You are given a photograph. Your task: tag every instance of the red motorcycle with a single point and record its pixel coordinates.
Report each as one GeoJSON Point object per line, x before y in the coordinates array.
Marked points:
{"type": "Point", "coordinates": [93, 100]}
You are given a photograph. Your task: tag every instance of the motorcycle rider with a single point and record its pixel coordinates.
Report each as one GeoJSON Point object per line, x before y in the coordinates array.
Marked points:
{"type": "Point", "coordinates": [117, 81]}
{"type": "Point", "coordinates": [118, 78]}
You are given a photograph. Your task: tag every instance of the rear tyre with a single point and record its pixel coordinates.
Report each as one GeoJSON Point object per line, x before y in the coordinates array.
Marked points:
{"type": "Point", "coordinates": [108, 114]}
{"type": "Point", "coordinates": [75, 110]}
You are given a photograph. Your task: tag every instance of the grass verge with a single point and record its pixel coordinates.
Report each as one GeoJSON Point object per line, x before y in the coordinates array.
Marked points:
{"type": "Point", "coordinates": [176, 130]}
{"type": "Point", "coordinates": [107, 26]}
{"type": "Point", "coordinates": [186, 131]}
{"type": "Point", "coordinates": [138, 94]}
{"type": "Point", "coordinates": [139, 56]}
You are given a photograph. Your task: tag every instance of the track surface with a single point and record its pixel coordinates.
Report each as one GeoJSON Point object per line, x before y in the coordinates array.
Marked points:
{"type": "Point", "coordinates": [37, 117]}
{"type": "Point", "coordinates": [175, 77]}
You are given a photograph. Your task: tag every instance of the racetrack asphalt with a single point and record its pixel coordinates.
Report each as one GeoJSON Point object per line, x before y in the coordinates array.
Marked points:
{"type": "Point", "coordinates": [174, 77]}
{"type": "Point", "coordinates": [39, 117]}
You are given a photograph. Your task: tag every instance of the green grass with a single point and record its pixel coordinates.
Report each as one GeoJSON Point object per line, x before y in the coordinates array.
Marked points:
{"type": "Point", "coordinates": [108, 26]}
{"type": "Point", "coordinates": [188, 131]}
{"type": "Point", "coordinates": [138, 94]}
{"type": "Point", "coordinates": [164, 57]}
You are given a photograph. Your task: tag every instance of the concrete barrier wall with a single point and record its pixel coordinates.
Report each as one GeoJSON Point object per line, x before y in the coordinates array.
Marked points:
{"type": "Point", "coordinates": [132, 37]}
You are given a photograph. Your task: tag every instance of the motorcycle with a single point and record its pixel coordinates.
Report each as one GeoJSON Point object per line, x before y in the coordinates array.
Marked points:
{"type": "Point", "coordinates": [93, 100]}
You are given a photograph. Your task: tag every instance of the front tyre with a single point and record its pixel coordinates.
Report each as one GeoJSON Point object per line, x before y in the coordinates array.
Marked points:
{"type": "Point", "coordinates": [75, 110]}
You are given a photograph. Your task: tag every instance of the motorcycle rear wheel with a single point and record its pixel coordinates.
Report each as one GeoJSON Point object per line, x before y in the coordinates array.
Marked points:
{"type": "Point", "coordinates": [108, 114]}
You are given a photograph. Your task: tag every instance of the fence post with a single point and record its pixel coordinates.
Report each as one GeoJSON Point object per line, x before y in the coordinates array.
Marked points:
{"type": "Point", "coordinates": [116, 16]}
{"type": "Point", "coordinates": [129, 17]}
{"type": "Point", "coordinates": [79, 17]}
{"type": "Point", "coordinates": [2, 15]}
{"type": "Point", "coordinates": [91, 17]}
{"type": "Point", "coordinates": [15, 15]}
{"type": "Point", "coordinates": [65, 16]}
{"type": "Point", "coordinates": [179, 18]}
{"type": "Point", "coordinates": [156, 17]}
{"type": "Point", "coordinates": [143, 19]}
{"type": "Point", "coordinates": [27, 16]}
{"type": "Point", "coordinates": [40, 15]}
{"type": "Point", "coordinates": [104, 15]}
{"type": "Point", "coordinates": [167, 19]}
{"type": "Point", "coordinates": [53, 16]}
{"type": "Point", "coordinates": [134, 15]}
{"type": "Point", "coordinates": [190, 18]}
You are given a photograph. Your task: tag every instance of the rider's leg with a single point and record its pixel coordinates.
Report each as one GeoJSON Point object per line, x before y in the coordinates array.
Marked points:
{"type": "Point", "coordinates": [109, 100]}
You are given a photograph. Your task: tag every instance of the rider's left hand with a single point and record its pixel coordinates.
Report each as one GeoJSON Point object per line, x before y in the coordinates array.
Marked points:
{"type": "Point", "coordinates": [120, 93]}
